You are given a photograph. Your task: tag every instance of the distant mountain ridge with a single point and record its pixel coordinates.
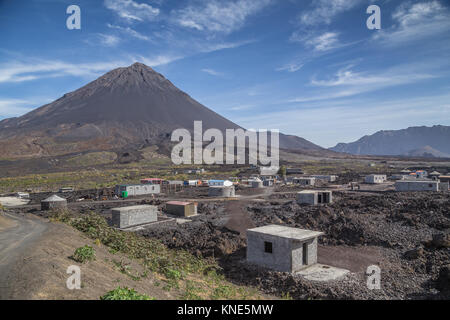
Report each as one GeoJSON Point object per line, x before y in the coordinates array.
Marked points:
{"type": "Point", "coordinates": [133, 105]}
{"type": "Point", "coordinates": [414, 141]}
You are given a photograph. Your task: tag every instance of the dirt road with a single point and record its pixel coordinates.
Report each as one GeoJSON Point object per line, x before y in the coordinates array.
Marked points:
{"type": "Point", "coordinates": [17, 232]}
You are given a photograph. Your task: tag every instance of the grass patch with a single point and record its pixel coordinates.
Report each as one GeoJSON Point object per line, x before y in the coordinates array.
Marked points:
{"type": "Point", "coordinates": [193, 277]}
{"type": "Point", "coordinates": [84, 254]}
{"type": "Point", "coordinates": [125, 294]}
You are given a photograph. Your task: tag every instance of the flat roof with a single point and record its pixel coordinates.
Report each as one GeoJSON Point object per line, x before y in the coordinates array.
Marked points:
{"type": "Point", "coordinates": [313, 191]}
{"type": "Point", "coordinates": [179, 203]}
{"type": "Point", "coordinates": [287, 232]}
{"type": "Point", "coordinates": [417, 181]}
{"type": "Point", "coordinates": [138, 207]}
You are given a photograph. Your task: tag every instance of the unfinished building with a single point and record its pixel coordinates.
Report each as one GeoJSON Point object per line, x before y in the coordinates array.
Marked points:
{"type": "Point", "coordinates": [408, 185]}
{"type": "Point", "coordinates": [327, 178]}
{"type": "Point", "coordinates": [126, 190]}
{"type": "Point", "coordinates": [221, 192]}
{"type": "Point", "coordinates": [181, 208]}
{"type": "Point", "coordinates": [304, 181]}
{"type": "Point", "coordinates": [53, 202]}
{"type": "Point", "coordinates": [375, 178]}
{"type": "Point", "coordinates": [314, 197]}
{"type": "Point", "coordinates": [283, 249]}
{"type": "Point", "coordinates": [126, 217]}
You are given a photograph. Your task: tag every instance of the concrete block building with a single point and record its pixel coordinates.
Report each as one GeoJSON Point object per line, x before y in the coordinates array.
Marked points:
{"type": "Point", "coordinates": [126, 217]}
{"type": "Point", "coordinates": [408, 185]}
{"type": "Point", "coordinates": [181, 208]}
{"type": "Point", "coordinates": [314, 197]}
{"type": "Point", "coordinates": [281, 248]}
{"type": "Point", "coordinates": [327, 178]}
{"type": "Point", "coordinates": [221, 191]}
{"type": "Point", "coordinates": [304, 181]}
{"type": "Point", "coordinates": [375, 178]}
{"type": "Point", "coordinates": [138, 189]}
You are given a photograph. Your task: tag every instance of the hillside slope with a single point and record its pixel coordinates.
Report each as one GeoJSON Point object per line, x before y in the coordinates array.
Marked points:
{"type": "Point", "coordinates": [126, 106]}
{"type": "Point", "coordinates": [414, 141]}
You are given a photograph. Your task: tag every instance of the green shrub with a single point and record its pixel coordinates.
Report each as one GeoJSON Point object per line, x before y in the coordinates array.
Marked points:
{"type": "Point", "coordinates": [155, 255]}
{"type": "Point", "coordinates": [84, 254]}
{"type": "Point", "coordinates": [59, 215]}
{"type": "Point", "coordinates": [124, 294]}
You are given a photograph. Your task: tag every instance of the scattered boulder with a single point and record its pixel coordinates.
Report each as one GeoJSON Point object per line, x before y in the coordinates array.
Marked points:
{"type": "Point", "coordinates": [439, 240]}
{"type": "Point", "coordinates": [443, 281]}
{"type": "Point", "coordinates": [414, 253]}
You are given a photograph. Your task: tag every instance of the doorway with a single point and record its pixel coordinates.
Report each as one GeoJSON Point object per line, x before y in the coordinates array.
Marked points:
{"type": "Point", "coordinates": [305, 253]}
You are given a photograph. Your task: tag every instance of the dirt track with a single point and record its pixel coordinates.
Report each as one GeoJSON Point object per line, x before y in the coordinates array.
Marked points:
{"type": "Point", "coordinates": [17, 233]}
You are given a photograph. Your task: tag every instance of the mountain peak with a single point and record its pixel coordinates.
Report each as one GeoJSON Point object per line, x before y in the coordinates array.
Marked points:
{"type": "Point", "coordinates": [139, 66]}
{"type": "Point", "coordinates": [131, 105]}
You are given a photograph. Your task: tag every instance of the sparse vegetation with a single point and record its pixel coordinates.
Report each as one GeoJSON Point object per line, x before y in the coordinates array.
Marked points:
{"type": "Point", "coordinates": [84, 254]}
{"type": "Point", "coordinates": [125, 294]}
{"type": "Point", "coordinates": [180, 269]}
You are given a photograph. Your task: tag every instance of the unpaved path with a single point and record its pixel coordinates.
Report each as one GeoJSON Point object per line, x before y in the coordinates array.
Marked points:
{"type": "Point", "coordinates": [17, 233]}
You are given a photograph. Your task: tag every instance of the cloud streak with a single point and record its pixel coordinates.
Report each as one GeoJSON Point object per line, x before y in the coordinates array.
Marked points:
{"type": "Point", "coordinates": [414, 22]}
{"type": "Point", "coordinates": [217, 16]}
{"type": "Point", "coordinates": [131, 10]}
{"type": "Point", "coordinates": [33, 69]}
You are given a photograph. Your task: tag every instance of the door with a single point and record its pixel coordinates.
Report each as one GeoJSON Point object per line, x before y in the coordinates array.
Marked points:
{"type": "Point", "coordinates": [305, 253]}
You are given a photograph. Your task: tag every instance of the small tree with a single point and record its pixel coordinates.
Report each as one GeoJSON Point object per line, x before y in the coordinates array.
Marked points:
{"type": "Point", "coordinates": [282, 171]}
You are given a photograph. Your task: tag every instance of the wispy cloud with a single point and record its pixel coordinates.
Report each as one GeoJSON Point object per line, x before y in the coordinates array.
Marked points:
{"type": "Point", "coordinates": [323, 11]}
{"type": "Point", "coordinates": [33, 69]}
{"type": "Point", "coordinates": [324, 42]}
{"type": "Point", "coordinates": [107, 40]}
{"type": "Point", "coordinates": [131, 10]}
{"type": "Point", "coordinates": [416, 21]}
{"type": "Point", "coordinates": [290, 67]}
{"type": "Point", "coordinates": [218, 16]}
{"type": "Point", "coordinates": [340, 116]}
{"type": "Point", "coordinates": [129, 31]}
{"type": "Point", "coordinates": [212, 72]}
{"type": "Point", "coordinates": [347, 83]}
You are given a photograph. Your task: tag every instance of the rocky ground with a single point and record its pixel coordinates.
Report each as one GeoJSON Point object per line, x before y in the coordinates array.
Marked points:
{"type": "Point", "coordinates": [405, 234]}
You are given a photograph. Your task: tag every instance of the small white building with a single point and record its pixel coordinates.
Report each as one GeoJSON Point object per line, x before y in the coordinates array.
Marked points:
{"type": "Point", "coordinates": [281, 248]}
{"type": "Point", "coordinates": [375, 178]}
{"type": "Point", "coordinates": [314, 197]}
{"type": "Point", "coordinates": [138, 189]}
{"type": "Point", "coordinates": [327, 178]}
{"type": "Point", "coordinates": [408, 185]}
{"type": "Point", "coordinates": [23, 195]}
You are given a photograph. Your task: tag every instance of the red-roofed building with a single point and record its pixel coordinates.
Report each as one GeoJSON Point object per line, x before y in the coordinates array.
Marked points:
{"type": "Point", "coordinates": [152, 181]}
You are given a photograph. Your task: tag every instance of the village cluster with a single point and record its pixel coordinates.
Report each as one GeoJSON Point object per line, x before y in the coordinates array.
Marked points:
{"type": "Point", "coordinates": [277, 247]}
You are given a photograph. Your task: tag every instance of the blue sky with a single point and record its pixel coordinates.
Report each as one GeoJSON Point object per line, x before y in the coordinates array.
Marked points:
{"type": "Point", "coordinates": [309, 68]}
